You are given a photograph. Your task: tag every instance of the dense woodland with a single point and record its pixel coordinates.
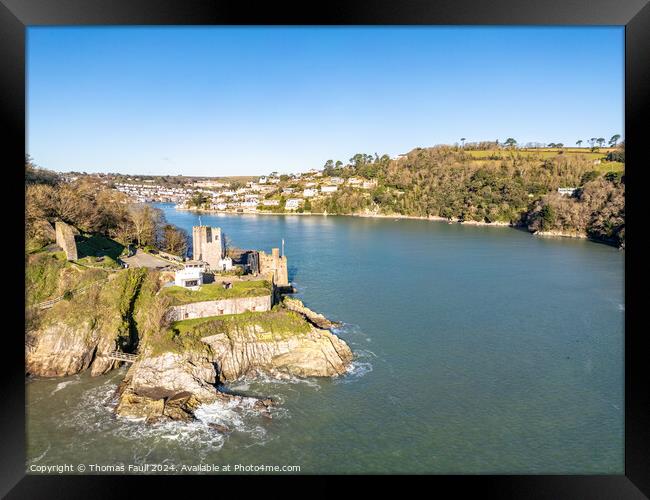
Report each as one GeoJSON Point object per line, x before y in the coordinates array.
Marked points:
{"type": "Point", "coordinates": [502, 185]}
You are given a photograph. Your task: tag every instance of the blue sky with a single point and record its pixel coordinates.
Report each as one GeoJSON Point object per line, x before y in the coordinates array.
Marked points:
{"type": "Point", "coordinates": [245, 100]}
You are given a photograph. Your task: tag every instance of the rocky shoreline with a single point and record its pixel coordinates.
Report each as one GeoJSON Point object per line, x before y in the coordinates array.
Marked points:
{"type": "Point", "coordinates": [172, 384]}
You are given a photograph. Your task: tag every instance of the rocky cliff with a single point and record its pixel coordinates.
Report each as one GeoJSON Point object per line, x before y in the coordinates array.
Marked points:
{"type": "Point", "coordinates": [317, 353]}
{"type": "Point", "coordinates": [180, 365]}
{"type": "Point", "coordinates": [73, 335]}
{"type": "Point", "coordinates": [169, 382]}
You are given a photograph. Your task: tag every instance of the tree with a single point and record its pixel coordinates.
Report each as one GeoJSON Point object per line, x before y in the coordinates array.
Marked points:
{"type": "Point", "coordinates": [579, 142]}
{"type": "Point", "coordinates": [614, 140]}
{"type": "Point", "coordinates": [510, 142]}
{"type": "Point", "coordinates": [592, 143]}
{"type": "Point", "coordinates": [462, 140]}
{"type": "Point", "coordinates": [547, 216]}
{"type": "Point", "coordinates": [199, 199]}
{"type": "Point", "coordinates": [600, 141]}
{"type": "Point", "coordinates": [146, 222]}
{"type": "Point", "coordinates": [174, 240]}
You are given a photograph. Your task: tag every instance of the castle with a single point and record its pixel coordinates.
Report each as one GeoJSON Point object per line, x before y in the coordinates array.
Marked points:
{"type": "Point", "coordinates": [208, 245]}
{"type": "Point", "coordinates": [274, 265]}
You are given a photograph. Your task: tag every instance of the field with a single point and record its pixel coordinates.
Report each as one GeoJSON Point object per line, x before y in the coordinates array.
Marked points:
{"type": "Point", "coordinates": [544, 153]}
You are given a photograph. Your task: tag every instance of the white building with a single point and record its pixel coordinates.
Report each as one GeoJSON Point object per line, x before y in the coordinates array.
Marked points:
{"type": "Point", "coordinates": [309, 193]}
{"type": "Point", "coordinates": [337, 180]}
{"type": "Point", "coordinates": [329, 189]}
{"type": "Point", "coordinates": [566, 191]}
{"type": "Point", "coordinates": [271, 203]}
{"type": "Point", "coordinates": [225, 264]}
{"type": "Point", "coordinates": [292, 204]}
{"type": "Point", "coordinates": [190, 277]}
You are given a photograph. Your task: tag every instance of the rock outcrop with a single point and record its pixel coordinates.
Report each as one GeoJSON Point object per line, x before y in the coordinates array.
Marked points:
{"type": "Point", "coordinates": [59, 350]}
{"type": "Point", "coordinates": [171, 373]}
{"type": "Point", "coordinates": [317, 353]}
{"type": "Point", "coordinates": [170, 386]}
{"type": "Point", "coordinates": [313, 317]}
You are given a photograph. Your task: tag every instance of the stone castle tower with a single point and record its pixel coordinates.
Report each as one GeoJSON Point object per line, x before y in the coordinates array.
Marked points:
{"type": "Point", "coordinates": [208, 245]}
{"type": "Point", "coordinates": [276, 266]}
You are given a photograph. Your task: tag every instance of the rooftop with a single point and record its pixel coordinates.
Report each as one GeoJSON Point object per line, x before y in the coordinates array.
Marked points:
{"type": "Point", "coordinates": [216, 291]}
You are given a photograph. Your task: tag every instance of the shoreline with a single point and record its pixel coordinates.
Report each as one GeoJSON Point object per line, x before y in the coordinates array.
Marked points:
{"type": "Point", "coordinates": [435, 218]}
{"type": "Point", "coordinates": [561, 234]}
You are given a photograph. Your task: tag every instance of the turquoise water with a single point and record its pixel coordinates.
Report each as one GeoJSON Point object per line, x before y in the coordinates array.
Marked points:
{"type": "Point", "coordinates": [479, 350]}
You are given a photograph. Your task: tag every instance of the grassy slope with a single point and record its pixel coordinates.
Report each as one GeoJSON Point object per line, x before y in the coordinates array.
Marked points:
{"type": "Point", "coordinates": [49, 275]}
{"type": "Point", "coordinates": [273, 325]}
{"type": "Point", "coordinates": [544, 153]}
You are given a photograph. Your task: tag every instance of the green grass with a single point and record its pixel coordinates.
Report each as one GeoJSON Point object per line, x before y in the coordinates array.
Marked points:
{"type": "Point", "coordinates": [609, 166]}
{"type": "Point", "coordinates": [541, 153]}
{"type": "Point", "coordinates": [97, 245]}
{"type": "Point", "coordinates": [278, 323]}
{"type": "Point", "coordinates": [186, 335]}
{"type": "Point", "coordinates": [215, 291]}
{"type": "Point", "coordinates": [104, 262]}
{"type": "Point", "coordinates": [42, 273]}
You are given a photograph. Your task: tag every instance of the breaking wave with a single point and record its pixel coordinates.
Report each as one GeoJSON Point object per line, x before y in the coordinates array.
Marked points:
{"type": "Point", "coordinates": [63, 385]}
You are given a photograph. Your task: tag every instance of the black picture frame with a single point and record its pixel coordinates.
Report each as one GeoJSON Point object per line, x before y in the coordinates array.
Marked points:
{"type": "Point", "coordinates": [16, 15]}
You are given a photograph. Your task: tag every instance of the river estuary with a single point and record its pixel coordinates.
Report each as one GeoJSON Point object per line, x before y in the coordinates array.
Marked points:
{"type": "Point", "coordinates": [478, 350]}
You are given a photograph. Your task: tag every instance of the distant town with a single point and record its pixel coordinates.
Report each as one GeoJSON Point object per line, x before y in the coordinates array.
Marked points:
{"type": "Point", "coordinates": [273, 192]}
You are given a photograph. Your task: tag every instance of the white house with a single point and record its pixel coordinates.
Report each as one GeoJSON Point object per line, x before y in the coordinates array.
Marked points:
{"type": "Point", "coordinates": [292, 204]}
{"type": "Point", "coordinates": [271, 203]}
{"type": "Point", "coordinates": [329, 189]}
{"type": "Point", "coordinates": [337, 180]}
{"type": "Point", "coordinates": [309, 193]}
{"type": "Point", "coordinates": [566, 191]}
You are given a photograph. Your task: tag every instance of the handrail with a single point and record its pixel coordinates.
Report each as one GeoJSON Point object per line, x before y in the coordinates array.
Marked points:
{"type": "Point", "coordinates": [49, 303]}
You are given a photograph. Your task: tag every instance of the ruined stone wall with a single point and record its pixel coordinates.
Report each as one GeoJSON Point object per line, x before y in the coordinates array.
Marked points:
{"type": "Point", "coordinates": [65, 239]}
{"type": "Point", "coordinates": [208, 245]}
{"type": "Point", "coordinates": [275, 266]}
{"type": "Point", "coordinates": [220, 307]}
